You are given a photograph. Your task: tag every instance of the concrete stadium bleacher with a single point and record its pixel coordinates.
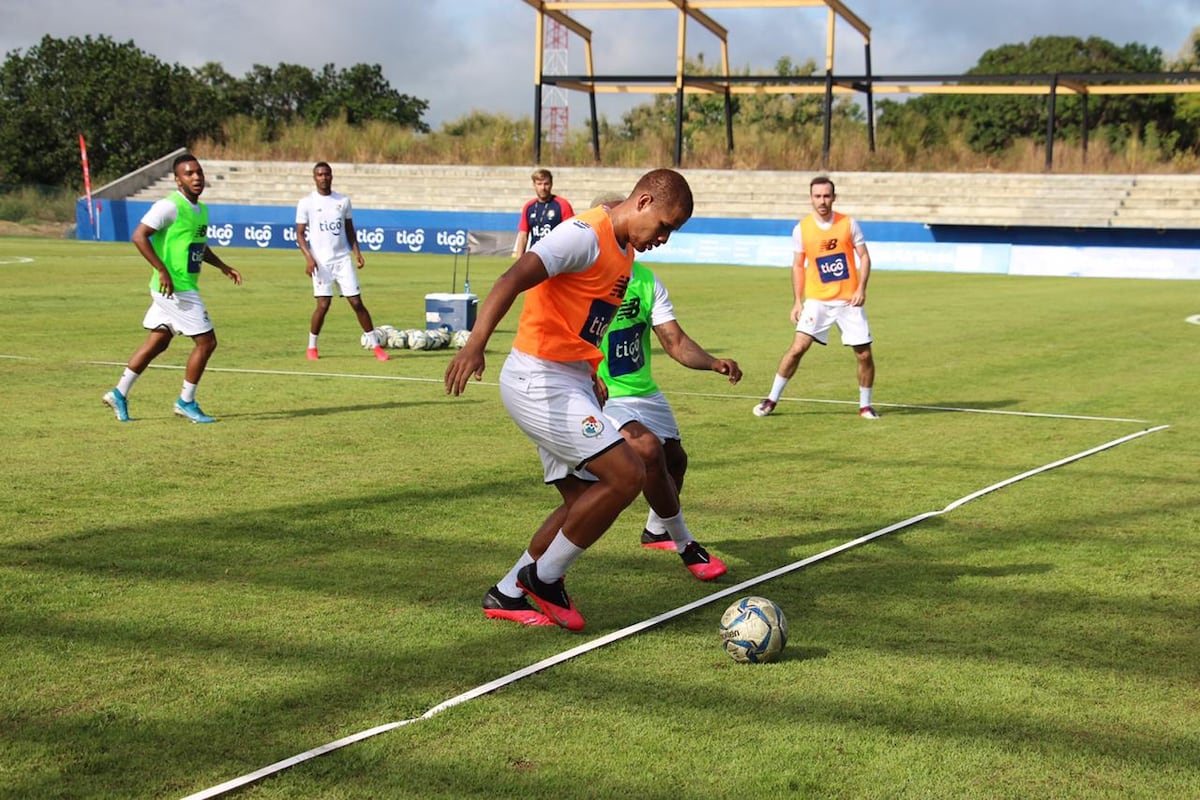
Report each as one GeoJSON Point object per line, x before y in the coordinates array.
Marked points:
{"type": "Point", "coordinates": [1153, 202]}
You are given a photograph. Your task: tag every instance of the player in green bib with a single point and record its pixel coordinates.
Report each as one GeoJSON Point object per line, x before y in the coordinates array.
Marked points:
{"type": "Point", "coordinates": [641, 412]}
{"type": "Point", "coordinates": [173, 238]}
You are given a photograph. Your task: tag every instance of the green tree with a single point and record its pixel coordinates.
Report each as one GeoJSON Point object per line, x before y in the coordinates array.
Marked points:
{"type": "Point", "coordinates": [227, 92]}
{"type": "Point", "coordinates": [131, 108]}
{"type": "Point", "coordinates": [290, 93]}
{"type": "Point", "coordinates": [993, 122]}
{"type": "Point", "coordinates": [279, 96]}
{"type": "Point", "coordinates": [362, 94]}
{"type": "Point", "coordinates": [1187, 105]}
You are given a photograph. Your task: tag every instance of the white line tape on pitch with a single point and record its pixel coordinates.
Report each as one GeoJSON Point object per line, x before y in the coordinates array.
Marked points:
{"type": "Point", "coordinates": [289, 372]}
{"type": "Point", "coordinates": [309, 373]}
{"type": "Point", "coordinates": [958, 409]}
{"type": "Point", "coordinates": [566, 655]}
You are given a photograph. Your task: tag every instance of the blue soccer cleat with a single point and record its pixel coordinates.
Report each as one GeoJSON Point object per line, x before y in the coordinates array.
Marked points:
{"type": "Point", "coordinates": [116, 401]}
{"type": "Point", "coordinates": [191, 411]}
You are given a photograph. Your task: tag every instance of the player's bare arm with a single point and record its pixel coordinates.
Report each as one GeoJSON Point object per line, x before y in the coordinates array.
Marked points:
{"type": "Point", "coordinates": [684, 349]}
{"type": "Point", "coordinates": [211, 257]}
{"type": "Point", "coordinates": [797, 285]}
{"type": "Point", "coordinates": [310, 263]}
{"type": "Point", "coordinates": [141, 242]}
{"type": "Point", "coordinates": [352, 238]}
{"type": "Point", "coordinates": [863, 256]}
{"type": "Point", "coordinates": [523, 275]}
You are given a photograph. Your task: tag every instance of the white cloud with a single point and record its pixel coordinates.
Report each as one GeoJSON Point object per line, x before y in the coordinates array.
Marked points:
{"type": "Point", "coordinates": [479, 54]}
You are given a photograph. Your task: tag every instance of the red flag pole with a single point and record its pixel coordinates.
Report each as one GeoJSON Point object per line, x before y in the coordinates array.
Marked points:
{"type": "Point", "coordinates": [87, 185]}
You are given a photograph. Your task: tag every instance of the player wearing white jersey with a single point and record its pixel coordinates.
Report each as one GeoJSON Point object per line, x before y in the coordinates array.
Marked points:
{"type": "Point", "coordinates": [325, 234]}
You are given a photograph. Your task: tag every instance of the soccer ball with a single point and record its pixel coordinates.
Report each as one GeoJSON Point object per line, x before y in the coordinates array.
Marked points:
{"type": "Point", "coordinates": [438, 338]}
{"type": "Point", "coordinates": [417, 339]}
{"type": "Point", "coordinates": [753, 630]}
{"type": "Point", "coordinates": [370, 339]}
{"type": "Point", "coordinates": [385, 335]}
{"type": "Point", "coordinates": [397, 340]}
{"type": "Point", "coordinates": [459, 338]}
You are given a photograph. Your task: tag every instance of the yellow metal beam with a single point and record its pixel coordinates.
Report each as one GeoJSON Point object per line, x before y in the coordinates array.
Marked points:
{"type": "Point", "coordinates": [714, 85]}
{"type": "Point", "coordinates": [562, 19]}
{"type": "Point", "coordinates": [692, 11]}
{"type": "Point", "coordinates": [1145, 88]}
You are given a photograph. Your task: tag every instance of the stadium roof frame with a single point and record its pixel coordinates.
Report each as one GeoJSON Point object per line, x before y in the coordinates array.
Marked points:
{"type": "Point", "coordinates": [830, 84]}
{"type": "Point", "coordinates": [680, 83]}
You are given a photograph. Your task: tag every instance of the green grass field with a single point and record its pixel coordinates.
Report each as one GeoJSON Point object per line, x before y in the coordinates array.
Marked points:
{"type": "Point", "coordinates": [184, 604]}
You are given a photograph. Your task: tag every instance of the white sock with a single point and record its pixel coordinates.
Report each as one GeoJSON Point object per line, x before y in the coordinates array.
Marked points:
{"type": "Point", "coordinates": [126, 382]}
{"type": "Point", "coordinates": [508, 584]}
{"type": "Point", "coordinates": [654, 523]}
{"type": "Point", "coordinates": [864, 396]}
{"type": "Point", "coordinates": [188, 394]}
{"type": "Point", "coordinates": [777, 388]}
{"type": "Point", "coordinates": [558, 558]}
{"type": "Point", "coordinates": [678, 529]}
{"type": "Point", "coordinates": [312, 340]}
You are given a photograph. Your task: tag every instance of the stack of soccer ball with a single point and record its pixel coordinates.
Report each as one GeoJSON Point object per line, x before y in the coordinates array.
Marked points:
{"type": "Point", "coordinates": [753, 630]}
{"type": "Point", "coordinates": [413, 338]}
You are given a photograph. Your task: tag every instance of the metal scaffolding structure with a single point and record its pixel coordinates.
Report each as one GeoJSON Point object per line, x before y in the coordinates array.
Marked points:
{"type": "Point", "coordinates": [555, 109]}
{"type": "Point", "coordinates": [828, 84]}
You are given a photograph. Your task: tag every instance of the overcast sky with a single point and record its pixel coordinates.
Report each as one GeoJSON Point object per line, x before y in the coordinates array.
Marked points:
{"type": "Point", "coordinates": [465, 55]}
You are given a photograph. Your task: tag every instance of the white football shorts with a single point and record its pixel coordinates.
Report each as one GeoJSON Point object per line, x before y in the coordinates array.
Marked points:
{"type": "Point", "coordinates": [818, 316]}
{"type": "Point", "coordinates": [183, 314]}
{"type": "Point", "coordinates": [555, 405]}
{"type": "Point", "coordinates": [340, 272]}
{"type": "Point", "coordinates": [651, 410]}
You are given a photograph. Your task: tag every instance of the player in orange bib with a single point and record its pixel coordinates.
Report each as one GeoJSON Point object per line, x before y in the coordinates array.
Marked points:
{"type": "Point", "coordinates": [829, 278]}
{"type": "Point", "coordinates": [574, 280]}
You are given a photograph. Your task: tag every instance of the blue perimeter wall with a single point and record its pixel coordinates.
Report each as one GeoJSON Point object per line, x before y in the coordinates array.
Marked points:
{"type": "Point", "coordinates": [1090, 252]}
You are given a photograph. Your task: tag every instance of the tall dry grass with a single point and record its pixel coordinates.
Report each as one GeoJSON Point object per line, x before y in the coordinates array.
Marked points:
{"type": "Point", "coordinates": [494, 139]}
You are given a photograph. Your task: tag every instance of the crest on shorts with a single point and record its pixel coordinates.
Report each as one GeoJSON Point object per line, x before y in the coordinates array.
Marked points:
{"type": "Point", "coordinates": [591, 427]}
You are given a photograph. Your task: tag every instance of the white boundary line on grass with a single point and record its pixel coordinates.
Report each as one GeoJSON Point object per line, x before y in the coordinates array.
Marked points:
{"type": "Point", "coordinates": [926, 408]}
{"type": "Point", "coordinates": [289, 372]}
{"type": "Point", "coordinates": [358, 376]}
{"type": "Point", "coordinates": [566, 655]}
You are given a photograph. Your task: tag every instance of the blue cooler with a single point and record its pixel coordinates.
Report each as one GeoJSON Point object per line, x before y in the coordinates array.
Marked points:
{"type": "Point", "coordinates": [455, 311]}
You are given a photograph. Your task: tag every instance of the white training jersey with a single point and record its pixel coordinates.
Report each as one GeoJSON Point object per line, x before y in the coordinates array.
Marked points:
{"type": "Point", "coordinates": [856, 235]}
{"type": "Point", "coordinates": [571, 246]}
{"type": "Point", "coordinates": [326, 216]}
{"type": "Point", "coordinates": [162, 214]}
{"type": "Point", "coordinates": [663, 310]}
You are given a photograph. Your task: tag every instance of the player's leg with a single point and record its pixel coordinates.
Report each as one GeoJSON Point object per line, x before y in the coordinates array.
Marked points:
{"type": "Point", "coordinates": [621, 476]}
{"type": "Point", "coordinates": [316, 323]}
{"type": "Point", "coordinates": [591, 509]}
{"type": "Point", "coordinates": [866, 380]}
{"type": "Point", "coordinates": [855, 332]}
{"type": "Point", "coordinates": [156, 342]}
{"type": "Point", "coordinates": [204, 345]}
{"type": "Point", "coordinates": [663, 497]}
{"type": "Point", "coordinates": [788, 364]}
{"type": "Point", "coordinates": [677, 461]}
{"type": "Point", "coordinates": [597, 474]}
{"type": "Point", "coordinates": [367, 324]}
{"type": "Point", "coordinates": [506, 600]}
{"type": "Point", "coordinates": [660, 490]}
{"type": "Point", "coordinates": [360, 311]}
{"type": "Point", "coordinates": [654, 532]}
